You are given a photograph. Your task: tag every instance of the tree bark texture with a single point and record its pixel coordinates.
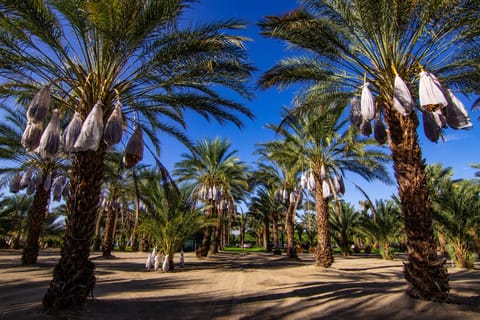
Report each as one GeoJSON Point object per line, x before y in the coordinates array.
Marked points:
{"type": "Point", "coordinates": [109, 231]}
{"type": "Point", "coordinates": [266, 233]}
{"type": "Point", "coordinates": [290, 229]}
{"type": "Point", "coordinates": [36, 218]}
{"type": "Point", "coordinates": [74, 275]}
{"type": "Point", "coordinates": [276, 240]}
{"type": "Point", "coordinates": [202, 250]}
{"type": "Point", "coordinates": [425, 272]}
{"type": "Point", "coordinates": [324, 253]}
{"type": "Point", "coordinates": [215, 245]}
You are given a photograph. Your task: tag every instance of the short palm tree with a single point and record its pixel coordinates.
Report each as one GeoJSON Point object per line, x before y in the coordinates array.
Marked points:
{"type": "Point", "coordinates": [175, 216]}
{"type": "Point", "coordinates": [344, 225]}
{"type": "Point", "coordinates": [384, 227]}
{"type": "Point", "coordinates": [323, 144]}
{"type": "Point", "coordinates": [456, 212]}
{"type": "Point", "coordinates": [130, 52]}
{"type": "Point", "coordinates": [348, 41]}
{"type": "Point", "coordinates": [219, 176]}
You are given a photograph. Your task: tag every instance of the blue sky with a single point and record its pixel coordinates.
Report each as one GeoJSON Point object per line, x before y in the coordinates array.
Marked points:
{"type": "Point", "coordinates": [459, 151]}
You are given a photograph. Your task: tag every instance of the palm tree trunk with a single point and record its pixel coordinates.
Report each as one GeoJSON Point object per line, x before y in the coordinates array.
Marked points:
{"type": "Point", "coordinates": [108, 232]}
{"type": "Point", "coordinates": [137, 212]}
{"type": "Point", "coordinates": [215, 245]}
{"type": "Point", "coordinates": [97, 238]}
{"type": "Point", "coordinates": [290, 228]}
{"type": "Point", "coordinates": [425, 272]}
{"type": "Point", "coordinates": [324, 254]}
{"type": "Point", "coordinates": [266, 234]}
{"type": "Point", "coordinates": [73, 276]}
{"type": "Point", "coordinates": [36, 217]}
{"type": "Point", "coordinates": [202, 251]}
{"type": "Point", "coordinates": [276, 241]}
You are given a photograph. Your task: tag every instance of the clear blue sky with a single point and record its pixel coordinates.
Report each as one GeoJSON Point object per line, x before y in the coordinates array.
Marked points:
{"type": "Point", "coordinates": [459, 151]}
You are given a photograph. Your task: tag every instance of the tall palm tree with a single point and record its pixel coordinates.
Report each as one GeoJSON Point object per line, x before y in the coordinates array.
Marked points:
{"type": "Point", "coordinates": [348, 41]}
{"type": "Point", "coordinates": [12, 151]}
{"type": "Point", "coordinates": [328, 149]}
{"type": "Point", "coordinates": [219, 176]}
{"type": "Point", "coordinates": [285, 178]}
{"type": "Point", "coordinates": [132, 52]}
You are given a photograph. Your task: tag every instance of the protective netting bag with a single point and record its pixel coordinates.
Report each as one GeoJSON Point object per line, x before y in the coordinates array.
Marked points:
{"type": "Point", "coordinates": [15, 183]}
{"type": "Point", "coordinates": [338, 184]}
{"type": "Point", "coordinates": [430, 126]}
{"type": "Point", "coordinates": [47, 183]}
{"type": "Point", "coordinates": [112, 134]}
{"type": "Point", "coordinates": [57, 187]}
{"type": "Point", "coordinates": [355, 113]}
{"type": "Point", "coordinates": [402, 99]}
{"type": "Point", "coordinates": [457, 115]}
{"type": "Point", "coordinates": [50, 140]}
{"type": "Point", "coordinates": [366, 128]}
{"type": "Point", "coordinates": [431, 91]}
{"type": "Point", "coordinates": [379, 131]}
{"type": "Point", "coordinates": [32, 135]}
{"type": "Point", "coordinates": [38, 107]}
{"type": "Point", "coordinates": [134, 149]}
{"type": "Point", "coordinates": [326, 189]}
{"type": "Point", "coordinates": [26, 177]}
{"type": "Point", "coordinates": [92, 130]}
{"type": "Point", "coordinates": [72, 131]}
{"type": "Point", "coordinates": [367, 103]}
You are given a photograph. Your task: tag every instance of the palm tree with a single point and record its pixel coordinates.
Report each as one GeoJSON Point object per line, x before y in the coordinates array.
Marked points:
{"type": "Point", "coordinates": [456, 211]}
{"type": "Point", "coordinates": [322, 143]}
{"type": "Point", "coordinates": [348, 41]}
{"type": "Point", "coordinates": [285, 178]}
{"type": "Point", "coordinates": [14, 213]}
{"type": "Point", "coordinates": [131, 54]}
{"type": "Point", "coordinates": [176, 216]}
{"type": "Point", "coordinates": [219, 177]}
{"type": "Point", "coordinates": [39, 169]}
{"type": "Point", "coordinates": [344, 225]}
{"type": "Point", "coordinates": [385, 227]}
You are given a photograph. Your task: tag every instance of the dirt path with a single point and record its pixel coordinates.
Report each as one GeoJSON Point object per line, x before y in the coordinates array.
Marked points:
{"type": "Point", "coordinates": [237, 286]}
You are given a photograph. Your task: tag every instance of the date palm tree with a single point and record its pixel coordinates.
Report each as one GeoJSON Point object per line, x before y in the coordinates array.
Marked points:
{"type": "Point", "coordinates": [385, 227]}
{"type": "Point", "coordinates": [348, 41]}
{"type": "Point", "coordinates": [456, 211]}
{"type": "Point", "coordinates": [20, 160]}
{"type": "Point", "coordinates": [323, 144]}
{"type": "Point", "coordinates": [131, 52]}
{"type": "Point", "coordinates": [219, 176]}
{"type": "Point", "coordinates": [287, 176]}
{"type": "Point", "coordinates": [344, 225]}
{"type": "Point", "coordinates": [175, 216]}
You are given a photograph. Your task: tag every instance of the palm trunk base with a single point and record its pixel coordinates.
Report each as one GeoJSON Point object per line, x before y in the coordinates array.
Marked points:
{"type": "Point", "coordinates": [292, 252]}
{"type": "Point", "coordinates": [324, 257]}
{"type": "Point", "coordinates": [70, 288]}
{"type": "Point", "coordinates": [427, 281]}
{"type": "Point", "coordinates": [30, 254]}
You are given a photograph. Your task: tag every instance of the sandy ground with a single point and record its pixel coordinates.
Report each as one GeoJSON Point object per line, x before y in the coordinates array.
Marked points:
{"type": "Point", "coordinates": [237, 286]}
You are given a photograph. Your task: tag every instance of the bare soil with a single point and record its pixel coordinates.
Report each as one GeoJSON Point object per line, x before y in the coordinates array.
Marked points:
{"type": "Point", "coordinates": [237, 286]}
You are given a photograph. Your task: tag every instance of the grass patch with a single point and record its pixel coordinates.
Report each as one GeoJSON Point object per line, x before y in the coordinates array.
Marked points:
{"type": "Point", "coordinates": [237, 249]}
